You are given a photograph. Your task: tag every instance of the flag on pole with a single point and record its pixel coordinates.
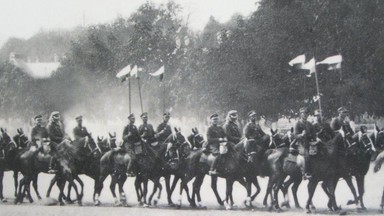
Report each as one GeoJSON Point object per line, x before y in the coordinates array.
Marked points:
{"type": "Point", "coordinates": [298, 61]}
{"type": "Point", "coordinates": [124, 73]}
{"type": "Point", "coordinates": [333, 62]}
{"type": "Point", "coordinates": [134, 72]}
{"type": "Point", "coordinates": [311, 66]}
{"type": "Point", "coordinates": [159, 72]}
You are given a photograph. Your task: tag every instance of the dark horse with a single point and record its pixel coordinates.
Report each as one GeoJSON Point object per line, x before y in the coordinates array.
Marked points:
{"type": "Point", "coordinates": [233, 167]}
{"type": "Point", "coordinates": [7, 161]}
{"type": "Point", "coordinates": [378, 140]}
{"type": "Point", "coordinates": [87, 162]}
{"type": "Point", "coordinates": [33, 161]}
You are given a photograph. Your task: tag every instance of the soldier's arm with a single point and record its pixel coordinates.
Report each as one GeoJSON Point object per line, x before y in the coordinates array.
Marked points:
{"type": "Point", "coordinates": [211, 137]}
{"type": "Point", "coordinates": [297, 131]}
{"type": "Point", "coordinates": [76, 133]}
{"type": "Point", "coordinates": [125, 134]}
{"type": "Point", "coordinates": [52, 134]}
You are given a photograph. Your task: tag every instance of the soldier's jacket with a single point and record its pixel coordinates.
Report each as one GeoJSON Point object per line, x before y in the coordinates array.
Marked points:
{"type": "Point", "coordinates": [38, 132]}
{"type": "Point", "coordinates": [303, 140]}
{"type": "Point", "coordinates": [163, 131]}
{"type": "Point", "coordinates": [337, 123]}
{"type": "Point", "coordinates": [147, 132]}
{"type": "Point", "coordinates": [56, 132]}
{"type": "Point", "coordinates": [232, 132]}
{"type": "Point", "coordinates": [214, 133]}
{"type": "Point", "coordinates": [131, 134]}
{"type": "Point", "coordinates": [321, 125]}
{"type": "Point", "coordinates": [80, 132]}
{"type": "Point", "coordinates": [253, 131]}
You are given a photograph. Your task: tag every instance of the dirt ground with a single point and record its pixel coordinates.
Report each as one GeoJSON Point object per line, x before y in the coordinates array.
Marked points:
{"type": "Point", "coordinates": [374, 187]}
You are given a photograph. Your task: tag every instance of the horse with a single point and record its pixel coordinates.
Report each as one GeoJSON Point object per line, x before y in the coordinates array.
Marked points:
{"type": "Point", "coordinates": [32, 162]}
{"type": "Point", "coordinates": [9, 151]}
{"type": "Point", "coordinates": [231, 168]}
{"type": "Point", "coordinates": [88, 161]}
{"type": "Point", "coordinates": [378, 140]}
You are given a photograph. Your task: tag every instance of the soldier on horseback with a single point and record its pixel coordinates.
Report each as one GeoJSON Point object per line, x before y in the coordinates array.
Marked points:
{"type": "Point", "coordinates": [80, 131]}
{"type": "Point", "coordinates": [164, 129]}
{"type": "Point", "coordinates": [231, 128]}
{"type": "Point", "coordinates": [146, 131]}
{"type": "Point", "coordinates": [304, 134]}
{"type": "Point", "coordinates": [340, 121]}
{"type": "Point", "coordinates": [252, 132]}
{"type": "Point", "coordinates": [38, 131]}
{"type": "Point", "coordinates": [56, 134]}
{"type": "Point", "coordinates": [132, 142]}
{"type": "Point", "coordinates": [215, 136]}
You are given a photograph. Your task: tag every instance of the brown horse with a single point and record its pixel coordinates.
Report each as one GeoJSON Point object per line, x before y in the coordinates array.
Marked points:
{"type": "Point", "coordinates": [32, 162]}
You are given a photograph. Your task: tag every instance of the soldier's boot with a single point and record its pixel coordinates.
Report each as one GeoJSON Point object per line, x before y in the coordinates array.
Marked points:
{"type": "Point", "coordinates": [307, 168]}
{"type": "Point", "coordinates": [213, 170]}
{"type": "Point", "coordinates": [51, 169]}
{"type": "Point", "coordinates": [2, 154]}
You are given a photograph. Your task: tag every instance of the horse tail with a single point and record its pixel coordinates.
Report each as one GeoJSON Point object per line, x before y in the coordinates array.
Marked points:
{"type": "Point", "coordinates": [379, 161]}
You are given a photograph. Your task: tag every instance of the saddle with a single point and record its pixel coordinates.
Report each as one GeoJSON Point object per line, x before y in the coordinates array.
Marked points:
{"type": "Point", "coordinates": [206, 157]}
{"type": "Point", "coordinates": [42, 157]}
{"type": "Point", "coordinates": [138, 148]}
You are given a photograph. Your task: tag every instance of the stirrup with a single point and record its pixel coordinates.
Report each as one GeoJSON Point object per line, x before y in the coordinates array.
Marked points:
{"type": "Point", "coordinates": [52, 171]}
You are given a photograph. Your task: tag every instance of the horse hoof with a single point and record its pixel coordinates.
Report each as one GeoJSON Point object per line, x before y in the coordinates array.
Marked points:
{"type": "Point", "coordinates": [62, 203]}
{"type": "Point", "coordinates": [298, 207]}
{"type": "Point", "coordinates": [380, 211]}
{"type": "Point", "coordinates": [97, 203]}
{"type": "Point", "coordinates": [171, 204]}
{"type": "Point", "coordinates": [4, 200]}
{"type": "Point", "coordinates": [178, 206]}
{"type": "Point", "coordinates": [350, 202]}
{"type": "Point", "coordinates": [285, 204]}
{"type": "Point", "coordinates": [155, 202]}
{"type": "Point", "coordinates": [145, 205]}
{"type": "Point", "coordinates": [308, 211]}
{"type": "Point", "coordinates": [278, 210]}
{"type": "Point", "coordinates": [39, 197]}
{"type": "Point", "coordinates": [363, 208]}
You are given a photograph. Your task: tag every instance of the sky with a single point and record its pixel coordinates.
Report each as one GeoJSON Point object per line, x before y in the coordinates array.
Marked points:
{"type": "Point", "coordinates": [24, 18]}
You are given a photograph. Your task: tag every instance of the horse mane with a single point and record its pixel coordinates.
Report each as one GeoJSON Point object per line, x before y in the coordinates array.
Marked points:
{"type": "Point", "coordinates": [65, 150]}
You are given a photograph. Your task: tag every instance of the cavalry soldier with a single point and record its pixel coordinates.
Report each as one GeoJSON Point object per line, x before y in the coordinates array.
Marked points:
{"type": "Point", "coordinates": [320, 123]}
{"type": "Point", "coordinates": [56, 134]}
{"type": "Point", "coordinates": [146, 131]}
{"type": "Point", "coordinates": [339, 122]}
{"type": "Point", "coordinates": [231, 127]}
{"type": "Point", "coordinates": [38, 131]}
{"type": "Point", "coordinates": [252, 131]}
{"type": "Point", "coordinates": [55, 128]}
{"type": "Point", "coordinates": [164, 129]}
{"type": "Point", "coordinates": [132, 142]}
{"type": "Point", "coordinates": [215, 136]}
{"type": "Point", "coordinates": [304, 134]}
{"type": "Point", "coordinates": [80, 131]}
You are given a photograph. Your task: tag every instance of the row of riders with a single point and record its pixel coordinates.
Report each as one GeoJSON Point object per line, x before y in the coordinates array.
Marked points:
{"type": "Point", "coordinates": [332, 149]}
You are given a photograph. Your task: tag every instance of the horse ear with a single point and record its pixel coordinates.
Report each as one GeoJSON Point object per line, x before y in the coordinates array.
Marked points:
{"type": "Point", "coordinates": [179, 129]}
{"type": "Point", "coordinates": [272, 131]}
{"type": "Point", "coordinates": [193, 130]}
{"type": "Point", "coordinates": [21, 130]}
{"type": "Point", "coordinates": [18, 131]}
{"type": "Point", "coordinates": [2, 130]}
{"type": "Point", "coordinates": [197, 131]}
{"type": "Point", "coordinates": [110, 135]}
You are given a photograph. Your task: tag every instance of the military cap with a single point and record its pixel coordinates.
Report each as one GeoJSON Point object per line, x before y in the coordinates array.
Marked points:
{"type": "Point", "coordinates": [144, 114]}
{"type": "Point", "coordinates": [303, 110]}
{"type": "Point", "coordinates": [80, 117]}
{"type": "Point", "coordinates": [252, 113]}
{"type": "Point", "coordinates": [342, 110]}
{"type": "Point", "coordinates": [37, 117]}
{"type": "Point", "coordinates": [232, 112]}
{"type": "Point", "coordinates": [214, 115]}
{"type": "Point", "coordinates": [166, 114]}
{"type": "Point", "coordinates": [131, 115]}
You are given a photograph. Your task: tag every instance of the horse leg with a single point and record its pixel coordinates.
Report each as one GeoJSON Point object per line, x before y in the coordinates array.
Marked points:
{"type": "Point", "coordinates": [78, 179]}
{"type": "Point", "coordinates": [99, 184]}
{"type": "Point", "coordinates": [349, 182]}
{"type": "Point", "coordinates": [228, 193]}
{"type": "Point", "coordinates": [214, 188]}
{"type": "Point", "coordinates": [145, 192]}
{"type": "Point", "coordinates": [155, 186]}
{"type": "Point", "coordinates": [276, 188]}
{"type": "Point", "coordinates": [311, 191]}
{"type": "Point", "coordinates": [268, 192]}
{"type": "Point", "coordinates": [112, 187]}
{"type": "Point", "coordinates": [28, 191]}
{"type": "Point", "coordinates": [71, 182]}
{"type": "Point", "coordinates": [15, 177]}
{"type": "Point", "coordinates": [168, 188]}
{"type": "Point", "coordinates": [382, 203]}
{"type": "Point", "coordinates": [1, 186]}
{"type": "Point", "coordinates": [121, 180]}
{"type": "Point", "coordinates": [256, 184]}
{"type": "Point", "coordinates": [159, 194]}
{"type": "Point", "coordinates": [138, 189]}
{"type": "Point", "coordinates": [295, 187]}
{"type": "Point", "coordinates": [183, 184]}
{"type": "Point", "coordinates": [196, 191]}
{"type": "Point", "coordinates": [284, 188]}
{"type": "Point", "coordinates": [61, 185]}
{"type": "Point", "coordinates": [53, 181]}
{"type": "Point", "coordinates": [21, 185]}
{"type": "Point", "coordinates": [360, 185]}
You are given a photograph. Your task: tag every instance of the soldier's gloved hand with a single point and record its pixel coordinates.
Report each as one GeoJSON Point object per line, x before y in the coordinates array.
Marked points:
{"type": "Point", "coordinates": [318, 139]}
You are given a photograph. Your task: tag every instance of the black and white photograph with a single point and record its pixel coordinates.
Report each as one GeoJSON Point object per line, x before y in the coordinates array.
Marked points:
{"type": "Point", "coordinates": [191, 107]}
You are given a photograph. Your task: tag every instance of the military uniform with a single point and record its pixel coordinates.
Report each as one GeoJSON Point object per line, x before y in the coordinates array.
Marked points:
{"type": "Point", "coordinates": [130, 136]}
{"type": "Point", "coordinates": [80, 132]}
{"type": "Point", "coordinates": [38, 133]}
{"type": "Point", "coordinates": [163, 131]}
{"type": "Point", "coordinates": [56, 132]}
{"type": "Point", "coordinates": [303, 140]}
{"type": "Point", "coordinates": [147, 132]}
{"type": "Point", "coordinates": [215, 134]}
{"type": "Point", "coordinates": [232, 132]}
{"type": "Point", "coordinates": [337, 124]}
{"type": "Point", "coordinates": [252, 133]}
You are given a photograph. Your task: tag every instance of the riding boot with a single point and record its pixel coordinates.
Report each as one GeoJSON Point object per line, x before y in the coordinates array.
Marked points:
{"type": "Point", "coordinates": [51, 169]}
{"type": "Point", "coordinates": [307, 167]}
{"type": "Point", "coordinates": [213, 170]}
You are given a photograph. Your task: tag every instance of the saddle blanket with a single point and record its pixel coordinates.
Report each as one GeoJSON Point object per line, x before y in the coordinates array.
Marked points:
{"type": "Point", "coordinates": [292, 158]}
{"type": "Point", "coordinates": [205, 158]}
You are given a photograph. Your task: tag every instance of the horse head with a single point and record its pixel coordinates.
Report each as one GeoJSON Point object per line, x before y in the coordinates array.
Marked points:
{"type": "Point", "coordinates": [112, 140]}
{"type": "Point", "coordinates": [6, 141]}
{"type": "Point", "coordinates": [21, 139]}
{"type": "Point", "coordinates": [276, 141]}
{"type": "Point", "coordinates": [196, 139]}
